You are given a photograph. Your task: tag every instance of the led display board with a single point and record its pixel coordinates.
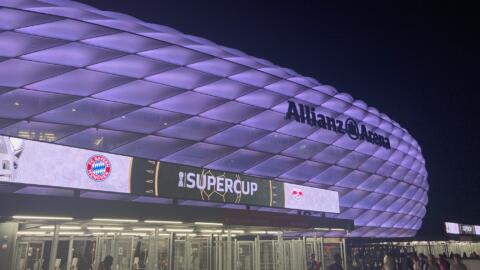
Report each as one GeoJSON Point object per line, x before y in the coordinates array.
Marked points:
{"type": "Point", "coordinates": [39, 163]}
{"type": "Point", "coordinates": [462, 229]}
{"type": "Point", "coordinates": [31, 162]}
{"type": "Point", "coordinates": [186, 182]}
{"type": "Point", "coordinates": [452, 228]}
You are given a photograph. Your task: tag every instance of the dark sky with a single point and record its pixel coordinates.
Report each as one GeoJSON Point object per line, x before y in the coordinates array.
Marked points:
{"type": "Point", "coordinates": [416, 61]}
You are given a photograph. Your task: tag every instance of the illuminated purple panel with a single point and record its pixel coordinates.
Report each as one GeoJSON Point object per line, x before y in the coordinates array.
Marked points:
{"type": "Point", "coordinates": [39, 131]}
{"type": "Point", "coordinates": [331, 175]}
{"type": "Point", "coordinates": [11, 19]}
{"type": "Point", "coordinates": [331, 155]}
{"type": "Point", "coordinates": [226, 88]}
{"type": "Point", "coordinates": [126, 42]}
{"type": "Point", "coordinates": [266, 120]}
{"type": "Point", "coordinates": [183, 78]}
{"type": "Point", "coordinates": [262, 98]}
{"type": "Point", "coordinates": [175, 55]}
{"type": "Point", "coordinates": [353, 180]}
{"type": "Point", "coordinates": [218, 67]}
{"type": "Point", "coordinates": [195, 128]}
{"type": "Point", "coordinates": [80, 82]}
{"type": "Point", "coordinates": [133, 66]}
{"type": "Point", "coordinates": [233, 112]}
{"type": "Point", "coordinates": [189, 103]}
{"type": "Point", "coordinates": [199, 154]}
{"type": "Point", "coordinates": [85, 112]}
{"type": "Point", "coordinates": [238, 136]}
{"type": "Point", "coordinates": [72, 54]}
{"type": "Point", "coordinates": [255, 78]}
{"type": "Point", "coordinates": [306, 170]}
{"type": "Point", "coordinates": [285, 87]}
{"type": "Point", "coordinates": [273, 143]}
{"type": "Point", "coordinates": [185, 83]}
{"type": "Point", "coordinates": [14, 44]}
{"type": "Point", "coordinates": [352, 197]}
{"type": "Point", "coordinates": [304, 149]}
{"type": "Point", "coordinates": [99, 139]}
{"type": "Point", "coordinates": [159, 147]}
{"type": "Point", "coordinates": [67, 29]}
{"type": "Point", "coordinates": [372, 182]}
{"type": "Point", "coordinates": [139, 92]}
{"type": "Point", "coordinates": [239, 161]}
{"type": "Point", "coordinates": [274, 166]}
{"type": "Point", "coordinates": [145, 120]}
{"type": "Point", "coordinates": [17, 73]}
{"type": "Point", "coordinates": [21, 103]}
{"type": "Point", "coordinates": [369, 201]}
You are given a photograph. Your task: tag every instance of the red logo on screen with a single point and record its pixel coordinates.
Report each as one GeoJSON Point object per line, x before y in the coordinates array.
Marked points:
{"type": "Point", "coordinates": [98, 167]}
{"type": "Point", "coordinates": [297, 193]}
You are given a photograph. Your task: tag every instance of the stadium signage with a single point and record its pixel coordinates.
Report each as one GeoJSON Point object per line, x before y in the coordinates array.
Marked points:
{"type": "Point", "coordinates": [306, 114]}
{"type": "Point", "coordinates": [167, 180]}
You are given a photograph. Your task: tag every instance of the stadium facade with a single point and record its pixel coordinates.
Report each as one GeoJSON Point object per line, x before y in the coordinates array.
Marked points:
{"type": "Point", "coordinates": [130, 94]}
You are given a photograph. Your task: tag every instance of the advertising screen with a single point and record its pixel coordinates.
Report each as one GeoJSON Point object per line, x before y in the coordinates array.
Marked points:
{"type": "Point", "coordinates": [185, 182]}
{"type": "Point", "coordinates": [467, 229]}
{"type": "Point", "coordinates": [38, 163]}
{"type": "Point", "coordinates": [477, 230]}
{"type": "Point", "coordinates": [452, 228]}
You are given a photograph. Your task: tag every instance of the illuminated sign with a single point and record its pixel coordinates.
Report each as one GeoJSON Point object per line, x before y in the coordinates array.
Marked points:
{"type": "Point", "coordinates": [463, 229]}
{"type": "Point", "coordinates": [306, 114]}
{"type": "Point", "coordinates": [39, 163]}
{"type": "Point", "coordinates": [160, 179]}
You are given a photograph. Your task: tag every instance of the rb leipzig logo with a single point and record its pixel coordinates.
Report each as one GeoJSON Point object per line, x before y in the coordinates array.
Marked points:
{"type": "Point", "coordinates": [98, 168]}
{"type": "Point", "coordinates": [297, 193]}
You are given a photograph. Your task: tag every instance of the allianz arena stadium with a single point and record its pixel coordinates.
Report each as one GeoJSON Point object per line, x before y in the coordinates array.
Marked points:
{"type": "Point", "coordinates": [77, 77]}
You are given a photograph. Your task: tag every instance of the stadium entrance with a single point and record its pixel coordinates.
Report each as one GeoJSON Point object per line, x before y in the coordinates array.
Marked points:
{"type": "Point", "coordinates": [62, 243]}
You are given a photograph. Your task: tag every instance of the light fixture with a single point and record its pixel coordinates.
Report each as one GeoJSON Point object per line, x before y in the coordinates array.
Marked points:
{"type": "Point", "coordinates": [42, 218]}
{"type": "Point", "coordinates": [337, 229]}
{"type": "Point", "coordinates": [258, 232]}
{"type": "Point", "coordinates": [211, 231]}
{"type": "Point", "coordinates": [115, 220]}
{"type": "Point", "coordinates": [16, 103]}
{"type": "Point", "coordinates": [163, 222]}
{"type": "Point", "coordinates": [105, 228]}
{"type": "Point", "coordinates": [208, 223]}
{"type": "Point", "coordinates": [226, 235]}
{"type": "Point", "coordinates": [32, 233]}
{"type": "Point", "coordinates": [71, 233]}
{"type": "Point", "coordinates": [272, 232]}
{"type": "Point", "coordinates": [179, 230]}
{"type": "Point", "coordinates": [322, 229]}
{"type": "Point", "coordinates": [147, 229]}
{"type": "Point", "coordinates": [62, 227]}
{"type": "Point", "coordinates": [237, 231]}
{"type": "Point", "coordinates": [133, 234]}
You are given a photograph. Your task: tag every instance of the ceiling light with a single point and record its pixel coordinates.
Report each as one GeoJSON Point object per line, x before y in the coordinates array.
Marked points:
{"type": "Point", "coordinates": [32, 233]}
{"type": "Point", "coordinates": [62, 227]}
{"type": "Point", "coordinates": [146, 229]}
{"type": "Point", "coordinates": [44, 218]}
{"type": "Point", "coordinates": [105, 228]}
{"type": "Point", "coordinates": [208, 223]}
{"type": "Point", "coordinates": [258, 232]}
{"type": "Point", "coordinates": [179, 230]}
{"type": "Point", "coordinates": [115, 220]}
{"type": "Point", "coordinates": [211, 231]}
{"type": "Point", "coordinates": [133, 234]}
{"type": "Point", "coordinates": [237, 231]}
{"type": "Point", "coordinates": [71, 233]}
{"type": "Point", "coordinates": [163, 222]}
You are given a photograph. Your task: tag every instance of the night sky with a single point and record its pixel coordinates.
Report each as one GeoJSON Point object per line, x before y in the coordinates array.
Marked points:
{"type": "Point", "coordinates": [416, 61]}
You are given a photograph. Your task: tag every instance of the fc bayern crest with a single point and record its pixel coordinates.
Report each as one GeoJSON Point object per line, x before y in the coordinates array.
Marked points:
{"type": "Point", "coordinates": [98, 167]}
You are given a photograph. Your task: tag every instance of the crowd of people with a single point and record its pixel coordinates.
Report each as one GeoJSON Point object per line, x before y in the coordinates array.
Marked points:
{"type": "Point", "coordinates": [400, 259]}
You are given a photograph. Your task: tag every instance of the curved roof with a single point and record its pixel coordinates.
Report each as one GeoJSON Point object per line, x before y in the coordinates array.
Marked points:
{"type": "Point", "coordinates": [74, 75]}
